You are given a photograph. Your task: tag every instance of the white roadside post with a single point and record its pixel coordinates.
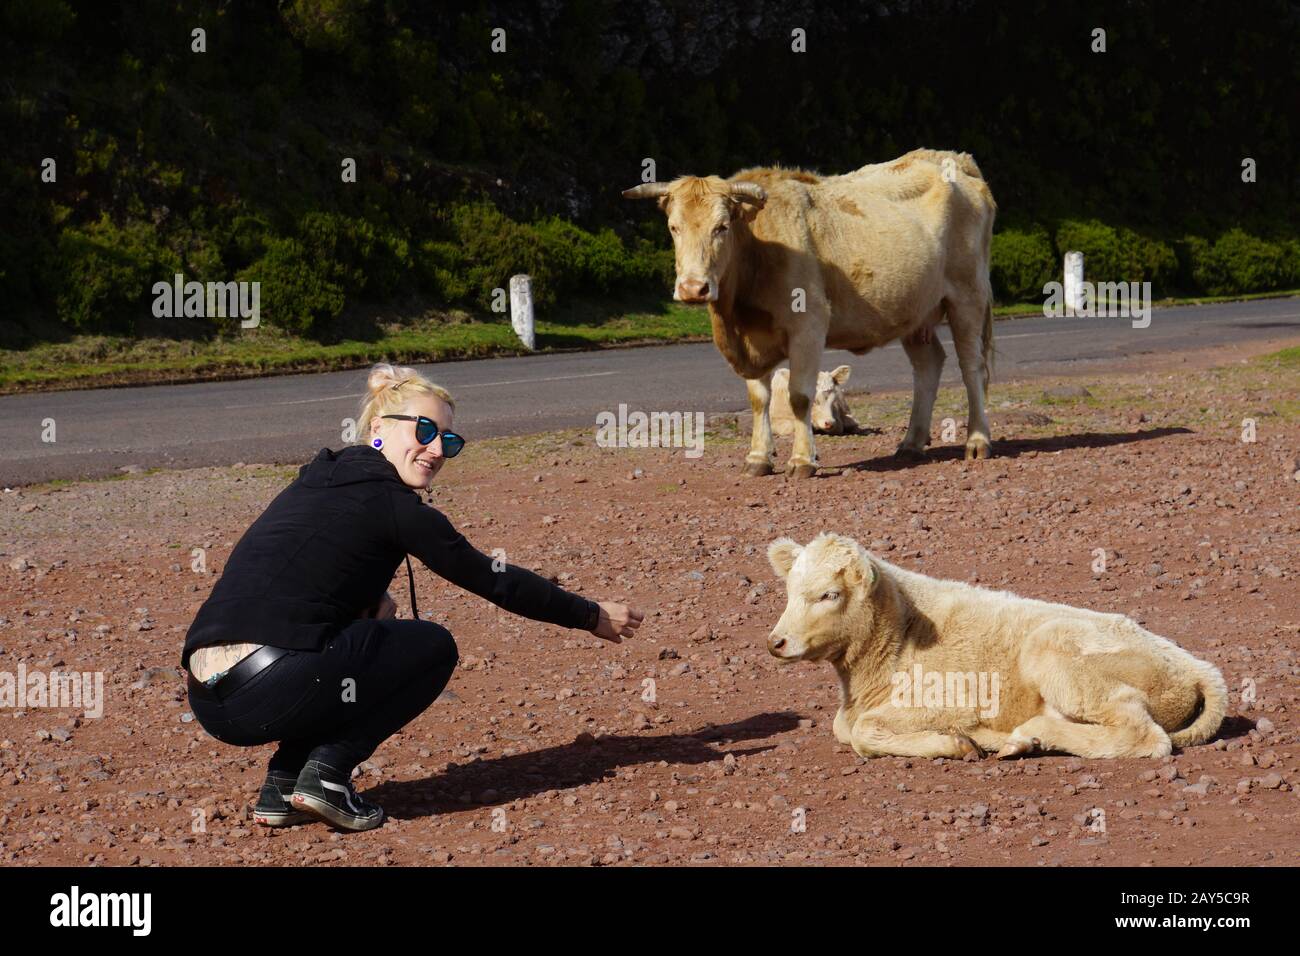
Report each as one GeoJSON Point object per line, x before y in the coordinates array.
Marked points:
{"type": "Point", "coordinates": [521, 310]}
{"type": "Point", "coordinates": [1073, 283]}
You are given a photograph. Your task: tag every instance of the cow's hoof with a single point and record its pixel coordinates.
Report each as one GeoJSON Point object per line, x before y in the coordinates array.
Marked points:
{"type": "Point", "coordinates": [757, 469]}
{"type": "Point", "coordinates": [909, 453]}
{"type": "Point", "coordinates": [978, 448]}
{"type": "Point", "coordinates": [1017, 747]}
{"type": "Point", "coordinates": [800, 471]}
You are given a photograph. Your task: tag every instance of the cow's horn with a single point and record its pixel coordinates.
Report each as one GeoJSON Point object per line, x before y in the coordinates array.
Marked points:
{"type": "Point", "coordinates": [749, 192]}
{"type": "Point", "coordinates": [646, 191]}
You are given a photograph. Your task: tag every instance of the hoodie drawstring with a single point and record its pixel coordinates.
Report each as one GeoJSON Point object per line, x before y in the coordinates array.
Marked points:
{"type": "Point", "coordinates": [410, 575]}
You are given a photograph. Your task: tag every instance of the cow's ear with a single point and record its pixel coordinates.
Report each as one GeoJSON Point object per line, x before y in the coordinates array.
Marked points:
{"type": "Point", "coordinates": [663, 202]}
{"type": "Point", "coordinates": [781, 554]}
{"type": "Point", "coordinates": [841, 374]}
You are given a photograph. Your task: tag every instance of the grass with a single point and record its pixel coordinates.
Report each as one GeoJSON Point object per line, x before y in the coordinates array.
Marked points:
{"type": "Point", "coordinates": [359, 340]}
{"type": "Point", "coordinates": [99, 361]}
{"type": "Point", "coordinates": [1287, 358]}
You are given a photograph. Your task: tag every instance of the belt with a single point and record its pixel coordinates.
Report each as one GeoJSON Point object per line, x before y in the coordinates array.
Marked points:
{"type": "Point", "coordinates": [237, 676]}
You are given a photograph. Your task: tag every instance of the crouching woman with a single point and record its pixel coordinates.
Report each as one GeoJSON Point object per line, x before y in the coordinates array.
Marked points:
{"type": "Point", "coordinates": [297, 643]}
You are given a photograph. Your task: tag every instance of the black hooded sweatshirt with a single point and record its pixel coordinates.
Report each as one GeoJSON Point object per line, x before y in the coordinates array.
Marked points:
{"type": "Point", "coordinates": [326, 548]}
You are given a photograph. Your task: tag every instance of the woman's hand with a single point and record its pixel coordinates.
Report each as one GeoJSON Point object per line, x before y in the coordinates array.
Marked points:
{"type": "Point", "coordinates": [617, 621]}
{"type": "Point", "coordinates": [385, 608]}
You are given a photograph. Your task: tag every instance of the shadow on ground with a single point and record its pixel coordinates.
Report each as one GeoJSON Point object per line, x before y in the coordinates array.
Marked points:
{"type": "Point", "coordinates": [499, 780]}
{"type": "Point", "coordinates": [1010, 448]}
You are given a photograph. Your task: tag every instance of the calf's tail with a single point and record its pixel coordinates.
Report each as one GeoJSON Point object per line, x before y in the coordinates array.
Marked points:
{"type": "Point", "coordinates": [1214, 705]}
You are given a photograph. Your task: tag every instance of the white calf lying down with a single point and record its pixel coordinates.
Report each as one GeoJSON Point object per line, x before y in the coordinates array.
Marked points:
{"type": "Point", "coordinates": [830, 409]}
{"type": "Point", "coordinates": [933, 668]}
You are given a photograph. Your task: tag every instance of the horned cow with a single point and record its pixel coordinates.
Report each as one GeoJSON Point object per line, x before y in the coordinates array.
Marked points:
{"type": "Point", "coordinates": [790, 262]}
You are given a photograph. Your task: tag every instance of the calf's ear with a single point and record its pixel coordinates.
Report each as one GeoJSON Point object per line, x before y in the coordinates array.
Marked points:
{"type": "Point", "coordinates": [841, 374]}
{"type": "Point", "coordinates": [781, 554]}
{"type": "Point", "coordinates": [861, 572]}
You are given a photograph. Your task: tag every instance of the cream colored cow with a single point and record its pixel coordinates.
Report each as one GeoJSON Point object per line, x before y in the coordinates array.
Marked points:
{"type": "Point", "coordinates": [830, 409]}
{"type": "Point", "coordinates": [916, 656]}
{"type": "Point", "coordinates": [790, 262]}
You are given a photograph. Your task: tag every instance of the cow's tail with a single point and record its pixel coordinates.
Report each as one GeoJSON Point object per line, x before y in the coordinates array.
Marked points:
{"type": "Point", "coordinates": [987, 343]}
{"type": "Point", "coordinates": [1214, 704]}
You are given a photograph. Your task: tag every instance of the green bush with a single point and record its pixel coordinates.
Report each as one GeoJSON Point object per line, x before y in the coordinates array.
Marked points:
{"type": "Point", "coordinates": [584, 263]}
{"type": "Point", "coordinates": [1021, 263]}
{"type": "Point", "coordinates": [1118, 254]}
{"type": "Point", "coordinates": [1291, 263]}
{"type": "Point", "coordinates": [440, 269]}
{"type": "Point", "coordinates": [355, 254]}
{"type": "Point", "coordinates": [296, 289]}
{"type": "Point", "coordinates": [242, 240]}
{"type": "Point", "coordinates": [481, 248]}
{"type": "Point", "coordinates": [492, 248]}
{"type": "Point", "coordinates": [105, 274]}
{"type": "Point", "coordinates": [1238, 263]}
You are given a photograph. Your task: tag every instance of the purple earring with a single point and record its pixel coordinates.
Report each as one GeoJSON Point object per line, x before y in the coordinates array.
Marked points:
{"type": "Point", "coordinates": [378, 443]}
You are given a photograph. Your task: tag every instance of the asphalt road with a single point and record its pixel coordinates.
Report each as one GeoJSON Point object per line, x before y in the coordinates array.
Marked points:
{"type": "Point", "coordinates": [287, 419]}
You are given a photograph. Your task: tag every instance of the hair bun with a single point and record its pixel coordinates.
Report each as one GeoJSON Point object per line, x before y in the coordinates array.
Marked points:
{"type": "Point", "coordinates": [382, 376]}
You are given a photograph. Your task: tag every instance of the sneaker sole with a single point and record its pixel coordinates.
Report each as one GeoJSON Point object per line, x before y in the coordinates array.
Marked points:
{"type": "Point", "coordinates": [322, 810]}
{"type": "Point", "coordinates": [290, 818]}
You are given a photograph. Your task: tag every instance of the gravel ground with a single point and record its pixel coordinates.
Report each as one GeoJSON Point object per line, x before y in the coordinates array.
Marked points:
{"type": "Point", "coordinates": [545, 750]}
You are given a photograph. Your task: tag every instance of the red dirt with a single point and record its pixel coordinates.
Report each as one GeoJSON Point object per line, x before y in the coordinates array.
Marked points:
{"type": "Point", "coordinates": [545, 730]}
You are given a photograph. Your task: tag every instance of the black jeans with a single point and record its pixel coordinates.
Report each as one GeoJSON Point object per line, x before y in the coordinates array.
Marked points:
{"type": "Point", "coordinates": [337, 705]}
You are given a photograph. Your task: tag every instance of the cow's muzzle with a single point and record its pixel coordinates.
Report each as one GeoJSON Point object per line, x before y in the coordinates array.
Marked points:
{"type": "Point", "coordinates": [694, 291]}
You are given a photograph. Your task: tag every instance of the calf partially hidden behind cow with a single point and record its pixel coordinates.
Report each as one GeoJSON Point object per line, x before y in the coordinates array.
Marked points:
{"type": "Point", "coordinates": [830, 409]}
{"type": "Point", "coordinates": [934, 668]}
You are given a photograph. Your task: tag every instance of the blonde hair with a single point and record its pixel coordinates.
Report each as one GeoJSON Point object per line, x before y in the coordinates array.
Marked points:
{"type": "Point", "coordinates": [388, 388]}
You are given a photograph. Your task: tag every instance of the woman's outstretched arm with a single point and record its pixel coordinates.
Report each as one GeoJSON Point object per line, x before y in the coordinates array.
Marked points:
{"type": "Point", "coordinates": [425, 532]}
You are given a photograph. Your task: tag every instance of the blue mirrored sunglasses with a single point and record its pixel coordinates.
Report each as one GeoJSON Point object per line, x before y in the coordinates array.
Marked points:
{"type": "Point", "coordinates": [426, 430]}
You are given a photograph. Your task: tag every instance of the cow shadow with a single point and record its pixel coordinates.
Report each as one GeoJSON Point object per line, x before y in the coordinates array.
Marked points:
{"type": "Point", "coordinates": [499, 780]}
{"type": "Point", "coordinates": [1008, 448]}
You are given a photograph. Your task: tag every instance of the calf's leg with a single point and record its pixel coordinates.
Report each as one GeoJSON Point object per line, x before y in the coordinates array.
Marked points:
{"type": "Point", "coordinates": [1087, 711]}
{"type": "Point", "coordinates": [871, 739]}
{"type": "Point", "coordinates": [1127, 730]}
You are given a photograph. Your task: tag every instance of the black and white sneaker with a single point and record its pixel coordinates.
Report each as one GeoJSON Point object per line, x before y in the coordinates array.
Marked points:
{"type": "Point", "coordinates": [327, 794]}
{"type": "Point", "coordinates": [273, 808]}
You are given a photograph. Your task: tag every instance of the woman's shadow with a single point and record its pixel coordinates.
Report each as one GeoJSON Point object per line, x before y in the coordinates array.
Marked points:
{"type": "Point", "coordinates": [499, 780]}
